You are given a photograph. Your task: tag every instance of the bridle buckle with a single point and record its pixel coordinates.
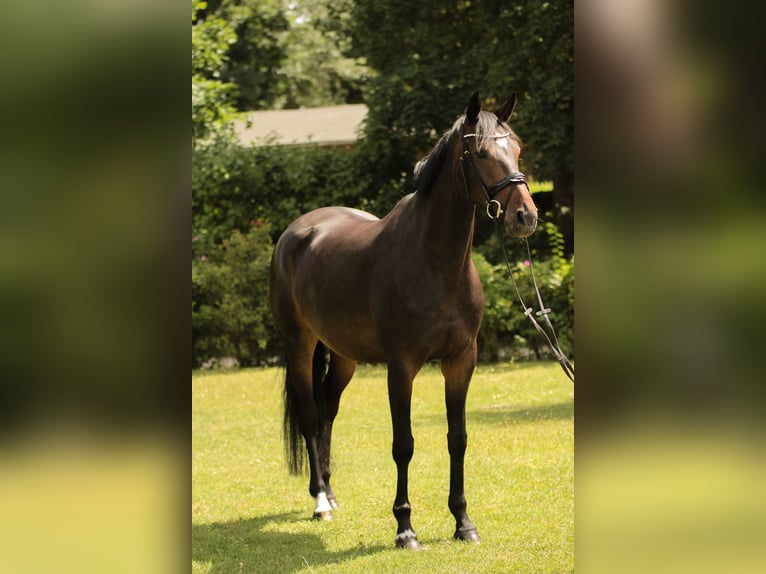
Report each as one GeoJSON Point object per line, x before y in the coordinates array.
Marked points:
{"type": "Point", "coordinates": [498, 209]}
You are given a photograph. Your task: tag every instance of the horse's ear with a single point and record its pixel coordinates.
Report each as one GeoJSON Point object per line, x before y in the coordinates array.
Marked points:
{"type": "Point", "coordinates": [504, 112]}
{"type": "Point", "coordinates": [473, 109]}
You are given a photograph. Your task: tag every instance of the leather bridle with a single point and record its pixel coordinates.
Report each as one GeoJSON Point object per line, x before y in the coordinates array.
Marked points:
{"type": "Point", "coordinates": [493, 206]}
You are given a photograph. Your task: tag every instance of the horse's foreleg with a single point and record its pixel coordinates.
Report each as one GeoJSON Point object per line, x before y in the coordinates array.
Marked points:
{"type": "Point", "coordinates": [338, 376]}
{"type": "Point", "coordinates": [457, 377]}
{"type": "Point", "coordinates": [400, 398]}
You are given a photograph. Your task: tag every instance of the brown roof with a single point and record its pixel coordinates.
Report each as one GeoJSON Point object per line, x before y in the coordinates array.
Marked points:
{"type": "Point", "coordinates": [335, 125]}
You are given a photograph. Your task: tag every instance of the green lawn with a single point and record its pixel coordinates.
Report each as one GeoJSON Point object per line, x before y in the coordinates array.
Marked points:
{"type": "Point", "coordinates": [250, 515]}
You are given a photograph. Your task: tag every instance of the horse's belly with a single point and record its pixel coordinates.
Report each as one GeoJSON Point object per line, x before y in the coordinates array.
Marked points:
{"type": "Point", "coordinates": [348, 333]}
{"type": "Point", "coordinates": [337, 310]}
{"type": "Point", "coordinates": [356, 349]}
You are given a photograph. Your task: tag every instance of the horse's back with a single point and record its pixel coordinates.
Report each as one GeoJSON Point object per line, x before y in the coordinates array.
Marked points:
{"type": "Point", "coordinates": [313, 228]}
{"type": "Point", "coordinates": [329, 219]}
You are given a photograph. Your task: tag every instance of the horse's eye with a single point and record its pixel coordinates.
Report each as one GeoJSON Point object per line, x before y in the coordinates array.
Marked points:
{"type": "Point", "coordinates": [481, 154]}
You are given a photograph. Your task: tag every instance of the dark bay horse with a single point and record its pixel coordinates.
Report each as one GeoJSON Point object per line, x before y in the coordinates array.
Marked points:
{"type": "Point", "coordinates": [346, 286]}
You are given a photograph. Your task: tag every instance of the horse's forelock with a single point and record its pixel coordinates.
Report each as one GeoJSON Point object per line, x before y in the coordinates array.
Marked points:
{"type": "Point", "coordinates": [486, 128]}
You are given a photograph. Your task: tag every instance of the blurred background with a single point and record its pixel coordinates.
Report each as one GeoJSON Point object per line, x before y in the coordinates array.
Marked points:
{"type": "Point", "coordinates": [94, 181]}
{"type": "Point", "coordinates": [670, 295]}
{"type": "Point", "coordinates": [95, 174]}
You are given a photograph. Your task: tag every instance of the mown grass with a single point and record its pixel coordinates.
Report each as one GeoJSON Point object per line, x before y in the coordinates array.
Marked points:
{"type": "Point", "coordinates": [250, 515]}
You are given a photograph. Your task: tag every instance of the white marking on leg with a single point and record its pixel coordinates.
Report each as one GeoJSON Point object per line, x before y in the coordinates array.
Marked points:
{"type": "Point", "coordinates": [406, 534]}
{"type": "Point", "coordinates": [321, 504]}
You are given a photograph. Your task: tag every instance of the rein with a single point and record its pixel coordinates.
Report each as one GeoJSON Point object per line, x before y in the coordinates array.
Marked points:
{"type": "Point", "coordinates": [494, 211]}
{"type": "Point", "coordinates": [543, 312]}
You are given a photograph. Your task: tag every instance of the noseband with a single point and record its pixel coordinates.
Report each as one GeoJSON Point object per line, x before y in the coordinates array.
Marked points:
{"type": "Point", "coordinates": [494, 208]}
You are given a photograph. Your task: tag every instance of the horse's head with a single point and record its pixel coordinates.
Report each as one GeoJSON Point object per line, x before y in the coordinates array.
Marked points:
{"type": "Point", "coordinates": [490, 166]}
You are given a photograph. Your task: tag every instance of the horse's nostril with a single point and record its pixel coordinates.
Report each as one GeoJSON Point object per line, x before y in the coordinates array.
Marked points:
{"type": "Point", "coordinates": [520, 216]}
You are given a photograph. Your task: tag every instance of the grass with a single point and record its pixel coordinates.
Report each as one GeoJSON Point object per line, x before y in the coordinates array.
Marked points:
{"type": "Point", "coordinates": [250, 515]}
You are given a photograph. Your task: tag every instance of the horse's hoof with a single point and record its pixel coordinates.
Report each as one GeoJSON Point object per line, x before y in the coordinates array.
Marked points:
{"type": "Point", "coordinates": [408, 541]}
{"type": "Point", "coordinates": [322, 507]}
{"type": "Point", "coordinates": [467, 536]}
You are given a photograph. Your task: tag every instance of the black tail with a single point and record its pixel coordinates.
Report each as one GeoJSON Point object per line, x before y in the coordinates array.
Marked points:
{"type": "Point", "coordinates": [295, 449]}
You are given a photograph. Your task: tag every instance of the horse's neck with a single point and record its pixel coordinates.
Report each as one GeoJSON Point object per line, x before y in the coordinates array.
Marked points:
{"type": "Point", "coordinates": [446, 220]}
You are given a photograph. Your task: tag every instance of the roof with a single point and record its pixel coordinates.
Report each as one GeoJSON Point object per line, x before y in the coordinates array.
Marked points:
{"type": "Point", "coordinates": [335, 125]}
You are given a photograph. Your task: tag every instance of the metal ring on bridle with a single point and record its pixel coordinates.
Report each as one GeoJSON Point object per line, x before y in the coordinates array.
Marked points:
{"type": "Point", "coordinates": [498, 209]}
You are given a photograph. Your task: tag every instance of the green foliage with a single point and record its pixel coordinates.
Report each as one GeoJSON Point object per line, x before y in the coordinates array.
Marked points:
{"type": "Point", "coordinates": [253, 59]}
{"type": "Point", "coordinates": [537, 40]}
{"type": "Point", "coordinates": [505, 327]}
{"type": "Point", "coordinates": [230, 304]}
{"type": "Point", "coordinates": [256, 57]}
{"type": "Point", "coordinates": [233, 185]}
{"type": "Point", "coordinates": [211, 96]}
{"type": "Point", "coordinates": [427, 66]}
{"type": "Point", "coordinates": [315, 72]}
{"type": "Point", "coordinates": [559, 264]}
{"type": "Point", "coordinates": [285, 56]}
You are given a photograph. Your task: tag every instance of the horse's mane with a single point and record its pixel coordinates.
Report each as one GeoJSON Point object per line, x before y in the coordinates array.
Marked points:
{"type": "Point", "coordinates": [427, 169]}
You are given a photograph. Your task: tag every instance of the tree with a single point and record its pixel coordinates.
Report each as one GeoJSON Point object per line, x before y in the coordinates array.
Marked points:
{"type": "Point", "coordinates": [431, 55]}
{"type": "Point", "coordinates": [284, 55]}
{"type": "Point", "coordinates": [211, 97]}
{"type": "Point", "coordinates": [541, 66]}
{"type": "Point", "coordinates": [315, 72]}
{"type": "Point", "coordinates": [254, 58]}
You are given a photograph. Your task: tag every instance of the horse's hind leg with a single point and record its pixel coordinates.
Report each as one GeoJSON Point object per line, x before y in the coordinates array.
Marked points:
{"type": "Point", "coordinates": [301, 410]}
{"type": "Point", "coordinates": [338, 376]}
{"type": "Point", "coordinates": [457, 377]}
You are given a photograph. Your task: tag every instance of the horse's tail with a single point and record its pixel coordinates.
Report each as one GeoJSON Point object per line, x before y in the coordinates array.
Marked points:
{"type": "Point", "coordinates": [294, 447]}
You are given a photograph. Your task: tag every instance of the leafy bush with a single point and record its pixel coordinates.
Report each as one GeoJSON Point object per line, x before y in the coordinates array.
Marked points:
{"type": "Point", "coordinates": [233, 185]}
{"type": "Point", "coordinates": [230, 303]}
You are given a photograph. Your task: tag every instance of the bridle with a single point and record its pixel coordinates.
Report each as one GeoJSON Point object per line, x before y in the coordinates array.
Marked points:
{"type": "Point", "coordinates": [494, 211]}
{"type": "Point", "coordinates": [493, 206]}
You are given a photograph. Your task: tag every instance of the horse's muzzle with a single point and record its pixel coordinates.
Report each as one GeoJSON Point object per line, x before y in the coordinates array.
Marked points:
{"type": "Point", "coordinates": [521, 223]}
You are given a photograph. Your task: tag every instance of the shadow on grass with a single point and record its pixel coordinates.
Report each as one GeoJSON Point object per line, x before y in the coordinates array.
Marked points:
{"type": "Point", "coordinates": [506, 414]}
{"type": "Point", "coordinates": [250, 545]}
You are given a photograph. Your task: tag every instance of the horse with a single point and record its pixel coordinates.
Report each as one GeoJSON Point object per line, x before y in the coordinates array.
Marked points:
{"type": "Point", "coordinates": [346, 286]}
